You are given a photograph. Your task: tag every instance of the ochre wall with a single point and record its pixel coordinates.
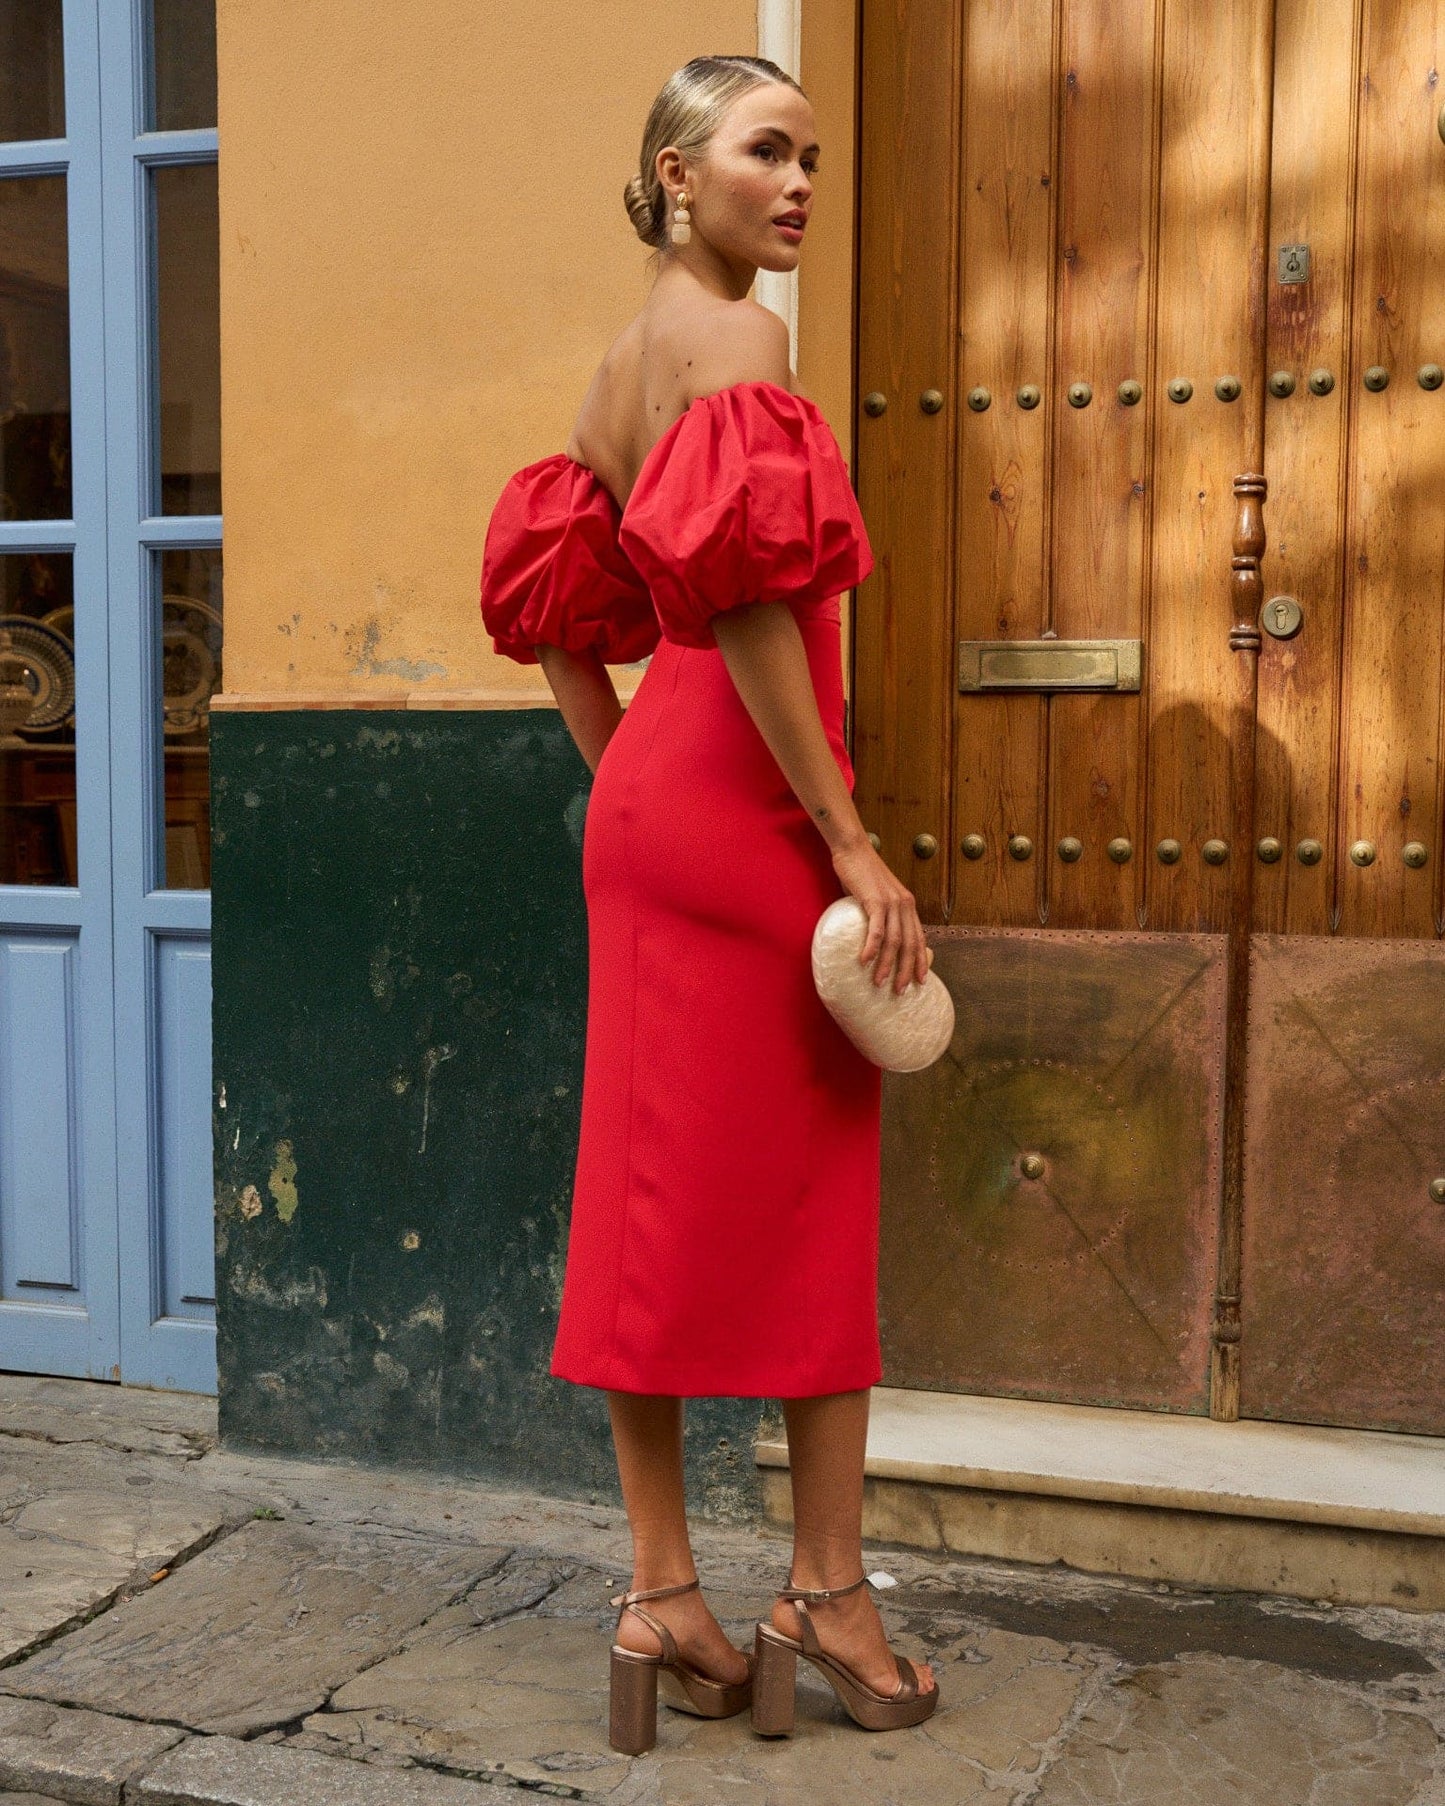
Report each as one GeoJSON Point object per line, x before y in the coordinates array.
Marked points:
{"type": "Point", "coordinates": [423, 256]}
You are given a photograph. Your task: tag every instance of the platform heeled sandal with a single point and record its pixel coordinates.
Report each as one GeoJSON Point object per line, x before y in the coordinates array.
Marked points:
{"type": "Point", "coordinates": [636, 1680]}
{"type": "Point", "coordinates": [775, 1675]}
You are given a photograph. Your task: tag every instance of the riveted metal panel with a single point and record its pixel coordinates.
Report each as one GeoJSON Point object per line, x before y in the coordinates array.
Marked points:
{"type": "Point", "coordinates": [1051, 1186]}
{"type": "Point", "coordinates": [1343, 1295]}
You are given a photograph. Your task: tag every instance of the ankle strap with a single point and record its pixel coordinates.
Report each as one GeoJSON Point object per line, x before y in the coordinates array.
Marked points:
{"type": "Point", "coordinates": [687, 1586]}
{"type": "Point", "coordinates": [812, 1595]}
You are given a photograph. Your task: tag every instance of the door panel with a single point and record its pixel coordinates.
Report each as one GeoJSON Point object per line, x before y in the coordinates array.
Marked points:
{"type": "Point", "coordinates": [58, 1286]}
{"type": "Point", "coordinates": [1114, 171]}
{"type": "Point", "coordinates": [1344, 1252]}
{"type": "Point", "coordinates": [1209, 326]}
{"type": "Point", "coordinates": [1005, 302]}
{"type": "Point", "coordinates": [1110, 239]}
{"type": "Point", "coordinates": [1099, 504]}
{"type": "Point", "coordinates": [1350, 713]}
{"type": "Point", "coordinates": [906, 222]}
{"type": "Point", "coordinates": [164, 487]}
{"type": "Point", "coordinates": [1395, 525]}
{"type": "Point", "coordinates": [40, 1184]}
{"type": "Point", "coordinates": [1050, 1220]}
{"type": "Point", "coordinates": [1297, 743]}
{"type": "Point", "coordinates": [187, 1257]}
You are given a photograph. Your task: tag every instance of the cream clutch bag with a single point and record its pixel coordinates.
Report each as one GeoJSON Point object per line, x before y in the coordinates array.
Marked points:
{"type": "Point", "coordinates": [899, 1031]}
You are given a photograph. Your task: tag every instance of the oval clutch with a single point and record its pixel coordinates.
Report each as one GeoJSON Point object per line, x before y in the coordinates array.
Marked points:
{"type": "Point", "coordinates": [899, 1031]}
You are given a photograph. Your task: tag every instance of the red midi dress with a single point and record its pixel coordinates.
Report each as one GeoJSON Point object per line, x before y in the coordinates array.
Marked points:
{"type": "Point", "coordinates": [724, 1231]}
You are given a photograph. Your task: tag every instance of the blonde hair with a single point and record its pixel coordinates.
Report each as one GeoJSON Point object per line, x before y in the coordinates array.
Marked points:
{"type": "Point", "coordinates": [686, 114]}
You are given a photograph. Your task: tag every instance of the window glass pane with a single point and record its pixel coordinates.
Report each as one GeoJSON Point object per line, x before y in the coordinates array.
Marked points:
{"type": "Point", "coordinates": [32, 69]}
{"type": "Point", "coordinates": [37, 719]}
{"type": "Point", "coordinates": [183, 65]}
{"type": "Point", "coordinates": [190, 605]}
{"type": "Point", "coordinates": [188, 324]}
{"type": "Point", "coordinates": [34, 349]}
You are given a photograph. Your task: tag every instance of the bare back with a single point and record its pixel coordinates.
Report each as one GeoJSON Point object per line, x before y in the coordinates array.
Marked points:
{"type": "Point", "coordinates": [683, 344]}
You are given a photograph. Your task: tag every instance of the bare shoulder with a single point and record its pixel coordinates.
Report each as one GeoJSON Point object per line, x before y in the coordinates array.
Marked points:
{"type": "Point", "coordinates": [739, 342]}
{"type": "Point", "coordinates": [610, 416]}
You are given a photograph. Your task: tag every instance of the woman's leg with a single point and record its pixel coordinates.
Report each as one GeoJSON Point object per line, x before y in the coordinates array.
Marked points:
{"type": "Point", "coordinates": [827, 1438]}
{"type": "Point", "coordinates": [647, 1434]}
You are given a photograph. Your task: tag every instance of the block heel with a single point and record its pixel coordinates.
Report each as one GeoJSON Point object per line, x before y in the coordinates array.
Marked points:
{"type": "Point", "coordinates": [632, 1702]}
{"type": "Point", "coordinates": [775, 1671]}
{"type": "Point", "coordinates": [636, 1680]}
{"type": "Point", "coordinates": [775, 1683]}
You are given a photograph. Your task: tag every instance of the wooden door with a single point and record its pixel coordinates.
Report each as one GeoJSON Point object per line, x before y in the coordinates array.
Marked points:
{"type": "Point", "coordinates": [1081, 228]}
{"type": "Point", "coordinates": [1344, 1193]}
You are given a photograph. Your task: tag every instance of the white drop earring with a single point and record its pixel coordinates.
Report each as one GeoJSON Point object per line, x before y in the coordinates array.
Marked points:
{"type": "Point", "coordinates": [681, 219]}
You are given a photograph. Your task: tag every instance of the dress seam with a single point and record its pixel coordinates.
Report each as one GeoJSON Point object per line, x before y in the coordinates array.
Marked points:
{"type": "Point", "coordinates": [632, 1037]}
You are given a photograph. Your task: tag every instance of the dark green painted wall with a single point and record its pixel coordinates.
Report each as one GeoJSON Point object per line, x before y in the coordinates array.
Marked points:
{"type": "Point", "coordinates": [400, 990]}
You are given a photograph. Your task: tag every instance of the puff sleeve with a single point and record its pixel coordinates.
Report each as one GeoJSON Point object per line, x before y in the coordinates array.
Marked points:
{"type": "Point", "coordinates": [552, 573]}
{"type": "Point", "coordinates": [746, 498]}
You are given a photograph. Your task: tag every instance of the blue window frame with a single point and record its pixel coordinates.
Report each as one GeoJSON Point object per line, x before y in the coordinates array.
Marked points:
{"type": "Point", "coordinates": [106, 1241]}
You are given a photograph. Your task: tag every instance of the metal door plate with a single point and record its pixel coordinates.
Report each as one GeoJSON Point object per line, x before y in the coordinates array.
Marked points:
{"type": "Point", "coordinates": [1050, 1187]}
{"type": "Point", "coordinates": [1344, 1245]}
{"type": "Point", "coordinates": [1050, 664]}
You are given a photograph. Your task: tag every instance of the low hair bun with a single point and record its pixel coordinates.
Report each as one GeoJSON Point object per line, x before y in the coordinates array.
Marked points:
{"type": "Point", "coordinates": [644, 209]}
{"type": "Point", "coordinates": [685, 115]}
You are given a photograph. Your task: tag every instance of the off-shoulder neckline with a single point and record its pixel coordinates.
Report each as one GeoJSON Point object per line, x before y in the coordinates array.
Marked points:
{"type": "Point", "coordinates": [669, 432]}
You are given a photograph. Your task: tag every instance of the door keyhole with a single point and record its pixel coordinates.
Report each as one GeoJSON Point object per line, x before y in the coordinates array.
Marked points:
{"type": "Point", "coordinates": [1282, 617]}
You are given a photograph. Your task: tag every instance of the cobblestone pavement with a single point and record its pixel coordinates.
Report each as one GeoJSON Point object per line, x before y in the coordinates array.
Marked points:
{"type": "Point", "coordinates": [183, 1624]}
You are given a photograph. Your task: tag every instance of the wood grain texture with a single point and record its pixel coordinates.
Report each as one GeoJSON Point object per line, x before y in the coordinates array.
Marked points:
{"type": "Point", "coordinates": [1390, 768]}
{"type": "Point", "coordinates": [1209, 323]}
{"type": "Point", "coordinates": [1311, 202]}
{"type": "Point", "coordinates": [1003, 480]}
{"type": "Point", "coordinates": [1108, 170]}
{"type": "Point", "coordinates": [903, 671]}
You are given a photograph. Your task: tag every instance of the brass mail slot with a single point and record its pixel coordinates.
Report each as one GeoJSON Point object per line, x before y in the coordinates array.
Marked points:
{"type": "Point", "coordinates": [1050, 664]}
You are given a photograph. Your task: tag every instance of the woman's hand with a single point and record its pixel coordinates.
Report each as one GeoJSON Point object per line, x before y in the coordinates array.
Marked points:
{"type": "Point", "coordinates": [895, 934]}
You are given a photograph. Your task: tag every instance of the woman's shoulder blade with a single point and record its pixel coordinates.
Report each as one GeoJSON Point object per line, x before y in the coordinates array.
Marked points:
{"type": "Point", "coordinates": [740, 342]}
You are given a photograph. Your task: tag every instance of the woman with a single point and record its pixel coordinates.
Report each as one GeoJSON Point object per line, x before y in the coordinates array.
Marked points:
{"type": "Point", "coordinates": [725, 1213]}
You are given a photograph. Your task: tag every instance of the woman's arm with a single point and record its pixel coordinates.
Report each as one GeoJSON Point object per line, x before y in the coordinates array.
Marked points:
{"type": "Point", "coordinates": [583, 688]}
{"type": "Point", "coordinates": [764, 653]}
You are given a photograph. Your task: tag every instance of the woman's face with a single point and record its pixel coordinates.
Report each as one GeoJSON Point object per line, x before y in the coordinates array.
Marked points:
{"type": "Point", "coordinates": [751, 192]}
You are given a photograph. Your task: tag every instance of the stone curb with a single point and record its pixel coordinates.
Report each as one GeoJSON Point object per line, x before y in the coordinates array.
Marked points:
{"type": "Point", "coordinates": [84, 1758]}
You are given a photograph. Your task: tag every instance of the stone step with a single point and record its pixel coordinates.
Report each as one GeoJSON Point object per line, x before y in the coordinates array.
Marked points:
{"type": "Point", "coordinates": [1353, 1516]}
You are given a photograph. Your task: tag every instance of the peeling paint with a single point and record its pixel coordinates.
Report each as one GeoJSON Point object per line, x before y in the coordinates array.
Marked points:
{"type": "Point", "coordinates": [431, 1313]}
{"type": "Point", "coordinates": [411, 1241]}
{"type": "Point", "coordinates": [287, 1294]}
{"type": "Point", "coordinates": [431, 1059]}
{"type": "Point", "coordinates": [383, 985]}
{"type": "Point", "coordinates": [362, 651]}
{"type": "Point", "coordinates": [250, 1202]}
{"type": "Point", "coordinates": [282, 1183]}
{"type": "Point", "coordinates": [395, 1373]}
